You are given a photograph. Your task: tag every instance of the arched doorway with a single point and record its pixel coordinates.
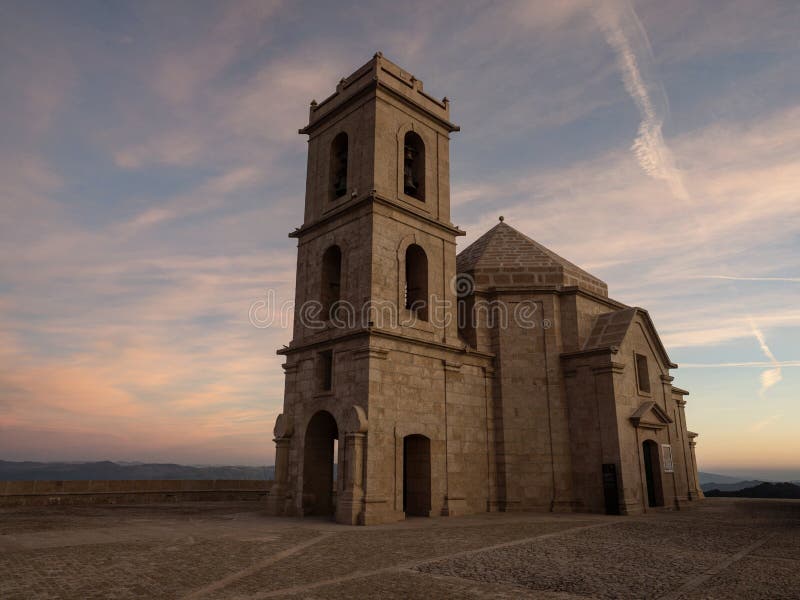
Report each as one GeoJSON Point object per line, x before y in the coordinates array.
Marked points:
{"type": "Point", "coordinates": [318, 464]}
{"type": "Point", "coordinates": [652, 473]}
{"type": "Point", "coordinates": [416, 476]}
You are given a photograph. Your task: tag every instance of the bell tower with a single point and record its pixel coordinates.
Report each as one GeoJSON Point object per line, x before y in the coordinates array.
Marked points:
{"type": "Point", "coordinates": [375, 349]}
{"type": "Point", "coordinates": [378, 163]}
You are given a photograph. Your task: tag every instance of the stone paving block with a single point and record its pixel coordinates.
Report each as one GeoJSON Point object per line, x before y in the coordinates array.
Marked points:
{"type": "Point", "coordinates": [752, 578]}
{"type": "Point", "coordinates": [172, 551]}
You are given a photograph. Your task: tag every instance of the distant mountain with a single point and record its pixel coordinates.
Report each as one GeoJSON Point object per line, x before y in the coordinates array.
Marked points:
{"type": "Point", "coordinates": [717, 478]}
{"type": "Point", "coordinates": [762, 490]}
{"type": "Point", "coordinates": [107, 470]}
{"type": "Point", "coordinates": [729, 487]}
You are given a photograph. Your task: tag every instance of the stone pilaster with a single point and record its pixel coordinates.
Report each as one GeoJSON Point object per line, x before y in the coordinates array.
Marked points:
{"type": "Point", "coordinates": [350, 507]}
{"type": "Point", "coordinates": [279, 493]}
{"type": "Point", "coordinates": [692, 445]}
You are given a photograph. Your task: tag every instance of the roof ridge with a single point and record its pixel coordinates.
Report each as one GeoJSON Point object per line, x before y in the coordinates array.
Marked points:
{"type": "Point", "coordinates": [471, 255]}
{"type": "Point", "coordinates": [552, 254]}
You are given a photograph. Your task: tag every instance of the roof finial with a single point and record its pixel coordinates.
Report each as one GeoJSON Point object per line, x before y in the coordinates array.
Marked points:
{"type": "Point", "coordinates": [502, 218]}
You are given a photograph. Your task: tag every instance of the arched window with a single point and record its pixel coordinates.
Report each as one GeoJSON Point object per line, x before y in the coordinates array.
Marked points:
{"type": "Point", "coordinates": [331, 279]}
{"type": "Point", "coordinates": [414, 166]}
{"type": "Point", "coordinates": [642, 373]}
{"type": "Point", "coordinates": [417, 281]}
{"type": "Point", "coordinates": [338, 164]}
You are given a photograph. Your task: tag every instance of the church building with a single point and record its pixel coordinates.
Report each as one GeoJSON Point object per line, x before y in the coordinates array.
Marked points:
{"type": "Point", "coordinates": [422, 382]}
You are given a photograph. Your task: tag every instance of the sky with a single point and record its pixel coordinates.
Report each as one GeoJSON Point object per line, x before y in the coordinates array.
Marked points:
{"type": "Point", "coordinates": [150, 170]}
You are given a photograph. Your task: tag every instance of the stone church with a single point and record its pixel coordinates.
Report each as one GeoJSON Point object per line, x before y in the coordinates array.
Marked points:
{"type": "Point", "coordinates": [420, 382]}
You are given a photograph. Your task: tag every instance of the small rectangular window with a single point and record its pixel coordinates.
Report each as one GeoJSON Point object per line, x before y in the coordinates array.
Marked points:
{"type": "Point", "coordinates": [666, 451]}
{"type": "Point", "coordinates": [325, 370]}
{"type": "Point", "coordinates": [642, 374]}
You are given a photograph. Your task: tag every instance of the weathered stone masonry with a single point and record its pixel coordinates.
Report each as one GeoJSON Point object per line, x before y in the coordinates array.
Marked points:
{"type": "Point", "coordinates": [518, 385]}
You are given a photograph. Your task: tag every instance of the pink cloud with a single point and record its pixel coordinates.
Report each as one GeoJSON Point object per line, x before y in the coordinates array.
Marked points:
{"type": "Point", "coordinates": [183, 72]}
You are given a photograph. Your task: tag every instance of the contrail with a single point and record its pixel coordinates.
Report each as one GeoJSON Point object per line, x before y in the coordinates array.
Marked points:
{"type": "Point", "coordinates": [735, 278]}
{"type": "Point", "coordinates": [625, 34]}
{"type": "Point", "coordinates": [758, 364]}
{"type": "Point", "coordinates": [771, 376]}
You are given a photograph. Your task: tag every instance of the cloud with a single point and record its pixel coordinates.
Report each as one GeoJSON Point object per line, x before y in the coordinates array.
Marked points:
{"type": "Point", "coordinates": [39, 76]}
{"type": "Point", "coordinates": [737, 27]}
{"type": "Point", "coordinates": [137, 330]}
{"type": "Point", "coordinates": [609, 217]}
{"type": "Point", "coordinates": [147, 389]}
{"type": "Point", "coordinates": [762, 342]}
{"type": "Point", "coordinates": [273, 103]}
{"type": "Point", "coordinates": [627, 36]}
{"type": "Point", "coordinates": [208, 196]}
{"type": "Point", "coordinates": [252, 120]}
{"type": "Point", "coordinates": [133, 283]}
{"type": "Point", "coordinates": [769, 377]}
{"type": "Point", "coordinates": [237, 30]}
{"type": "Point", "coordinates": [707, 327]}
{"type": "Point", "coordinates": [174, 148]}
{"type": "Point", "coordinates": [764, 423]}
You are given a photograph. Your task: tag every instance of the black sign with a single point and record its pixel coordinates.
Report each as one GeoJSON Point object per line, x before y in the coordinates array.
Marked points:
{"type": "Point", "coordinates": [611, 488]}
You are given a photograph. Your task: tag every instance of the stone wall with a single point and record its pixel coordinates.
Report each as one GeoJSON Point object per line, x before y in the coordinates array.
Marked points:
{"type": "Point", "coordinates": [491, 415]}
{"type": "Point", "coordinates": [42, 493]}
{"type": "Point", "coordinates": [440, 394]}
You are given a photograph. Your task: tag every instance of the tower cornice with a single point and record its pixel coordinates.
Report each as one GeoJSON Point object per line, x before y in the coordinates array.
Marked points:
{"type": "Point", "coordinates": [370, 199]}
{"type": "Point", "coordinates": [380, 74]}
{"type": "Point", "coordinates": [386, 334]}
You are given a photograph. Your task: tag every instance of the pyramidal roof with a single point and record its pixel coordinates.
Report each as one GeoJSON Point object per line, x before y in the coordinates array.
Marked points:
{"type": "Point", "coordinates": [505, 256]}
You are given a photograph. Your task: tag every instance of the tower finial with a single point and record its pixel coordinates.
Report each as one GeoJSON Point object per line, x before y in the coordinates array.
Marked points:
{"type": "Point", "coordinates": [502, 218]}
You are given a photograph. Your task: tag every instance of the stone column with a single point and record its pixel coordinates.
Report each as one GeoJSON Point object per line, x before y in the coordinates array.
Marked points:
{"type": "Point", "coordinates": [688, 462]}
{"type": "Point", "coordinates": [692, 445]}
{"type": "Point", "coordinates": [350, 506]}
{"type": "Point", "coordinates": [608, 381]}
{"type": "Point", "coordinates": [281, 460]}
{"type": "Point", "coordinates": [674, 437]}
{"type": "Point", "coordinates": [276, 500]}
{"type": "Point", "coordinates": [455, 502]}
{"type": "Point", "coordinates": [277, 493]}
{"type": "Point", "coordinates": [492, 483]}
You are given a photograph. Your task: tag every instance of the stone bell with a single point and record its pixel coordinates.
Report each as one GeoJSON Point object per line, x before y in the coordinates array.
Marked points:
{"type": "Point", "coordinates": [340, 179]}
{"type": "Point", "coordinates": [340, 184]}
{"type": "Point", "coordinates": [409, 185]}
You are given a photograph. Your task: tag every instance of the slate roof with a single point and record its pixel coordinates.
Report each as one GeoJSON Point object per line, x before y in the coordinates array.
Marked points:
{"type": "Point", "coordinates": [610, 329]}
{"type": "Point", "coordinates": [504, 256]}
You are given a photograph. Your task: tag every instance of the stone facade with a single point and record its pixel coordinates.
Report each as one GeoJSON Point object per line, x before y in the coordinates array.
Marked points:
{"type": "Point", "coordinates": [503, 378]}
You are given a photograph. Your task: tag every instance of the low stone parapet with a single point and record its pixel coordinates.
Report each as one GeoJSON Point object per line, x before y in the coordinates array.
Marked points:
{"type": "Point", "coordinates": [43, 493]}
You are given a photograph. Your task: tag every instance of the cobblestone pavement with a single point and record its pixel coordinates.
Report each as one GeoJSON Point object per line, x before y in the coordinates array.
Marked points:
{"type": "Point", "coordinates": [718, 549]}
